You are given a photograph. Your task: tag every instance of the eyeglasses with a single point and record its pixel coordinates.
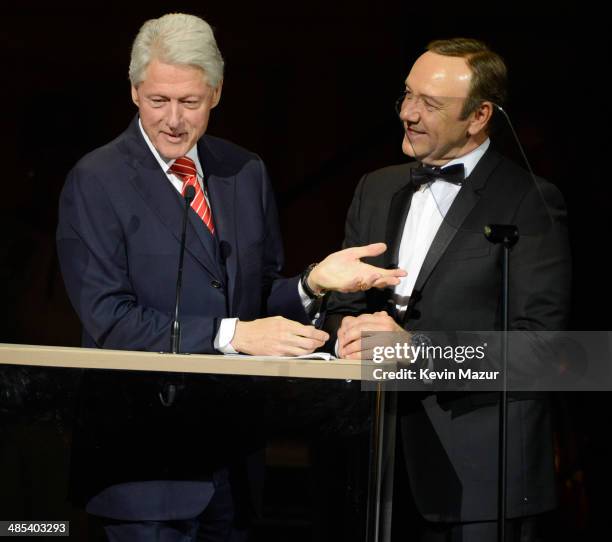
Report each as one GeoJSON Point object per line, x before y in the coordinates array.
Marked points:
{"type": "Point", "coordinates": [399, 102]}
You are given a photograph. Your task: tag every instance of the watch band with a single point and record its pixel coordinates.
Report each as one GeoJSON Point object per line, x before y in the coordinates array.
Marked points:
{"type": "Point", "coordinates": [304, 281]}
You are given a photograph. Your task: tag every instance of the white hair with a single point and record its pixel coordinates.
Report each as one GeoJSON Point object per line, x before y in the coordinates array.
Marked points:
{"type": "Point", "coordinates": [177, 39]}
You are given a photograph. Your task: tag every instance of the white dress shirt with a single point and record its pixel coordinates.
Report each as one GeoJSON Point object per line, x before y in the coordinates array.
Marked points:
{"type": "Point", "coordinates": [428, 208]}
{"type": "Point", "coordinates": [227, 327]}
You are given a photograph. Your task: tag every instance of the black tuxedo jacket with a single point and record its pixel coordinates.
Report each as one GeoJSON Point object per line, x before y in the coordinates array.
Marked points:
{"type": "Point", "coordinates": [450, 439]}
{"type": "Point", "coordinates": [118, 240]}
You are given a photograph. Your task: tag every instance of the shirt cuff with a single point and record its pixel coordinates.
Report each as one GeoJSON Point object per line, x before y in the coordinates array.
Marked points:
{"type": "Point", "coordinates": [312, 307]}
{"type": "Point", "coordinates": [223, 340]}
{"type": "Point", "coordinates": [306, 300]}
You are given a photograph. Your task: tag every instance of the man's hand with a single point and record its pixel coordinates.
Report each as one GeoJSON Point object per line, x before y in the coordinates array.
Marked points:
{"type": "Point", "coordinates": [344, 272]}
{"type": "Point", "coordinates": [352, 328]}
{"type": "Point", "coordinates": [277, 336]}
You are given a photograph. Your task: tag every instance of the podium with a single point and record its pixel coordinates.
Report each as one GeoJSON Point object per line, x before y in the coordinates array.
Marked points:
{"type": "Point", "coordinates": [382, 440]}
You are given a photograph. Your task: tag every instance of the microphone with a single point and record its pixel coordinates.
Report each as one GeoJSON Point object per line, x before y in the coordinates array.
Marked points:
{"type": "Point", "coordinates": [505, 234]}
{"type": "Point", "coordinates": [175, 336]}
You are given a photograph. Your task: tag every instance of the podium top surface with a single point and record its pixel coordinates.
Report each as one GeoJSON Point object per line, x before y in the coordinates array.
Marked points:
{"type": "Point", "coordinates": [93, 358]}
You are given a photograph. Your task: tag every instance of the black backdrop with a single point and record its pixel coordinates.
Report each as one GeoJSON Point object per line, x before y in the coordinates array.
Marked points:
{"type": "Point", "coordinates": [310, 87]}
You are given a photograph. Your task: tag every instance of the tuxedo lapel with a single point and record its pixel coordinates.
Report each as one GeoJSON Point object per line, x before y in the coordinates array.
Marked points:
{"type": "Point", "coordinates": [155, 189]}
{"type": "Point", "coordinates": [454, 220]}
{"type": "Point", "coordinates": [398, 212]}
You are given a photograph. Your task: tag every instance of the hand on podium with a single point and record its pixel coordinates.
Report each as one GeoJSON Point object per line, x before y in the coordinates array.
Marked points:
{"type": "Point", "coordinates": [277, 336]}
{"type": "Point", "coordinates": [353, 329]}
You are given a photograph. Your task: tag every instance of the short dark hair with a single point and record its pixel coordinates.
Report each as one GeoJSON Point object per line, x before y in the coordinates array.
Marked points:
{"type": "Point", "coordinates": [489, 73]}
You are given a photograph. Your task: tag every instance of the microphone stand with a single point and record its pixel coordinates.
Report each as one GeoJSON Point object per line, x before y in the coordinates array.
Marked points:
{"type": "Point", "coordinates": [168, 394]}
{"type": "Point", "coordinates": [506, 235]}
{"type": "Point", "coordinates": [175, 335]}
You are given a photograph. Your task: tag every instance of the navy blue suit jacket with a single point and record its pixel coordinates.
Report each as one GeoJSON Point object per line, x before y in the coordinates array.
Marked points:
{"type": "Point", "coordinates": [118, 242]}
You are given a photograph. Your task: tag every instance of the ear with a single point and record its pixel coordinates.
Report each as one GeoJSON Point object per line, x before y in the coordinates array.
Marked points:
{"type": "Point", "coordinates": [135, 97]}
{"type": "Point", "coordinates": [216, 97]}
{"type": "Point", "coordinates": [480, 118]}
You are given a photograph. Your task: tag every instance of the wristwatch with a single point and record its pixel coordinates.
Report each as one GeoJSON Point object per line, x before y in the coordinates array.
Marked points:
{"type": "Point", "coordinates": [420, 339]}
{"type": "Point", "coordinates": [424, 342]}
{"type": "Point", "coordinates": [304, 281]}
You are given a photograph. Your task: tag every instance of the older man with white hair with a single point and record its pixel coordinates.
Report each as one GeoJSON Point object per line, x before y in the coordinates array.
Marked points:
{"type": "Point", "coordinates": [158, 473]}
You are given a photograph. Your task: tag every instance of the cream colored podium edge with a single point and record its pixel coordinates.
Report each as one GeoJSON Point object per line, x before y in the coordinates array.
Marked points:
{"type": "Point", "coordinates": [93, 358]}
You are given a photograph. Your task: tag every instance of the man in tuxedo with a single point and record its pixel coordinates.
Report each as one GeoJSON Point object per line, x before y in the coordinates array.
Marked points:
{"type": "Point", "coordinates": [159, 473]}
{"type": "Point", "coordinates": [432, 213]}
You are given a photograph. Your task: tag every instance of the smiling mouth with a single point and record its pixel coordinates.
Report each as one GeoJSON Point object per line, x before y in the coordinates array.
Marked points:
{"type": "Point", "coordinates": [173, 137]}
{"type": "Point", "coordinates": [412, 131]}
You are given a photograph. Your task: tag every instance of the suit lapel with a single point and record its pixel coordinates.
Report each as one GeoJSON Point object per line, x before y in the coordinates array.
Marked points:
{"type": "Point", "coordinates": [454, 220]}
{"type": "Point", "coordinates": [154, 187]}
{"type": "Point", "coordinates": [398, 212]}
{"type": "Point", "coordinates": [221, 186]}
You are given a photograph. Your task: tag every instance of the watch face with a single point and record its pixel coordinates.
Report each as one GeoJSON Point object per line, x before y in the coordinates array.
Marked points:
{"type": "Point", "coordinates": [420, 339]}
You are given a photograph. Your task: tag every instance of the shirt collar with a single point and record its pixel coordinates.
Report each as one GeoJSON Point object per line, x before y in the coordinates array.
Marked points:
{"type": "Point", "coordinates": [167, 164]}
{"type": "Point", "coordinates": [472, 158]}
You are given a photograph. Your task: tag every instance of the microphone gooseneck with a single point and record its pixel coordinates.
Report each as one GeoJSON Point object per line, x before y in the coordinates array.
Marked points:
{"type": "Point", "coordinates": [175, 336]}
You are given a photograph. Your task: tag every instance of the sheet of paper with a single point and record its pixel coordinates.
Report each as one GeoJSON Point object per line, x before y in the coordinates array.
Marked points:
{"type": "Point", "coordinates": [315, 355]}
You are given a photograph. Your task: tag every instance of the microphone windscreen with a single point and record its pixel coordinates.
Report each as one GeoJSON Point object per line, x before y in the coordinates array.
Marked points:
{"type": "Point", "coordinates": [189, 193]}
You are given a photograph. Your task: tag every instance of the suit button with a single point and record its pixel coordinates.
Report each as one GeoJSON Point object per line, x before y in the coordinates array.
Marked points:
{"type": "Point", "coordinates": [215, 284]}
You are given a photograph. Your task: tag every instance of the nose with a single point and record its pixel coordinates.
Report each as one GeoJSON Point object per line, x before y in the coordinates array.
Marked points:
{"type": "Point", "coordinates": [409, 111]}
{"type": "Point", "coordinates": [174, 115]}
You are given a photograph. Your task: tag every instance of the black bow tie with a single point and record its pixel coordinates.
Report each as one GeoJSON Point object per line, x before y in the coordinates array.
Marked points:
{"type": "Point", "coordinates": [452, 174]}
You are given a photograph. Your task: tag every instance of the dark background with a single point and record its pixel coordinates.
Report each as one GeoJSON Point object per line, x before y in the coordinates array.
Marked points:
{"type": "Point", "coordinates": [310, 87]}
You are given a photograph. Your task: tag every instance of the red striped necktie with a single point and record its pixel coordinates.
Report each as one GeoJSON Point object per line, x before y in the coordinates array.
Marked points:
{"type": "Point", "coordinates": [185, 169]}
